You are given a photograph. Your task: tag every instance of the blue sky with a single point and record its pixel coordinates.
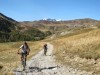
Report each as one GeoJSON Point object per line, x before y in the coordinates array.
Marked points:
{"type": "Point", "coordinates": [29, 10]}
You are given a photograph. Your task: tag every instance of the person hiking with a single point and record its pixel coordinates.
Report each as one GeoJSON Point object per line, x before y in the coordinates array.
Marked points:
{"type": "Point", "coordinates": [45, 49]}
{"type": "Point", "coordinates": [24, 51]}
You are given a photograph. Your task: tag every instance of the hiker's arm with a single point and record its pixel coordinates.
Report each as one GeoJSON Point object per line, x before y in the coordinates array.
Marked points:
{"type": "Point", "coordinates": [28, 51]}
{"type": "Point", "coordinates": [18, 51]}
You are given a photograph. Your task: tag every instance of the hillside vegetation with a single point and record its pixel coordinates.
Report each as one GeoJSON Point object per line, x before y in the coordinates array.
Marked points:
{"type": "Point", "coordinates": [59, 26]}
{"type": "Point", "coordinates": [80, 49]}
{"type": "Point", "coordinates": [11, 31]}
{"type": "Point", "coordinates": [37, 30]}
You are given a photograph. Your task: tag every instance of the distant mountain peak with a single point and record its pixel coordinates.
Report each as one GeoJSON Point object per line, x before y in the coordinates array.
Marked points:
{"type": "Point", "coordinates": [49, 19]}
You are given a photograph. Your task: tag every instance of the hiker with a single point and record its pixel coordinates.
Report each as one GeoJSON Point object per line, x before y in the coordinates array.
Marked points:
{"type": "Point", "coordinates": [45, 49]}
{"type": "Point", "coordinates": [24, 51]}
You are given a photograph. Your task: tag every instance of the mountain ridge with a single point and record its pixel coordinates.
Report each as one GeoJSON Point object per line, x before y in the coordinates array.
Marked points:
{"type": "Point", "coordinates": [11, 31]}
{"type": "Point", "coordinates": [7, 18]}
{"type": "Point", "coordinates": [50, 24]}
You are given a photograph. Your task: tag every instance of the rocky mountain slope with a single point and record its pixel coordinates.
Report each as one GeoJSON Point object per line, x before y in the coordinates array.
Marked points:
{"type": "Point", "coordinates": [9, 28]}
{"type": "Point", "coordinates": [7, 24]}
{"type": "Point", "coordinates": [59, 26]}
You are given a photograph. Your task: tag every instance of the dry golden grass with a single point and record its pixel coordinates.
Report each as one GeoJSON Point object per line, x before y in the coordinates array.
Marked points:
{"type": "Point", "coordinates": [80, 47]}
{"type": "Point", "coordinates": [87, 41]}
{"type": "Point", "coordinates": [10, 60]}
{"type": "Point", "coordinates": [74, 49]}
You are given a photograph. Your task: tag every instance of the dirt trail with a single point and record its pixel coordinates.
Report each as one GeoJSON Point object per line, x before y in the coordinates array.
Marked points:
{"type": "Point", "coordinates": [46, 65]}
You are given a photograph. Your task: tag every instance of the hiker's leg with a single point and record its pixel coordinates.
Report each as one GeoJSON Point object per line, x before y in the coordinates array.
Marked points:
{"type": "Point", "coordinates": [22, 58]}
{"type": "Point", "coordinates": [25, 59]}
{"type": "Point", "coordinates": [45, 51]}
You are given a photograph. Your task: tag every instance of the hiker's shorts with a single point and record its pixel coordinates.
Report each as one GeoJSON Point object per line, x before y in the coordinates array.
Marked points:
{"type": "Point", "coordinates": [24, 54]}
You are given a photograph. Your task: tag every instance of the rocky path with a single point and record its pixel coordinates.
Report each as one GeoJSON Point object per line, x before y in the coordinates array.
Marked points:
{"type": "Point", "coordinates": [46, 65]}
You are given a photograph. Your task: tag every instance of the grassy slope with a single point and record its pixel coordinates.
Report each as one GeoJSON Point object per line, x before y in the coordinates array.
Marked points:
{"type": "Point", "coordinates": [82, 46]}
{"type": "Point", "coordinates": [9, 59]}
{"type": "Point", "coordinates": [80, 49]}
